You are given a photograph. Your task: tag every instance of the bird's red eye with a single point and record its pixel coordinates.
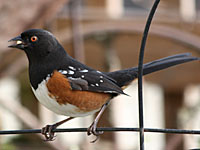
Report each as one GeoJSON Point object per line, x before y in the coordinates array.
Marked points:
{"type": "Point", "coordinates": [34, 38]}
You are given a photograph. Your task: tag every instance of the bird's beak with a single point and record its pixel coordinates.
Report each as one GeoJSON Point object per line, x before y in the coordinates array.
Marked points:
{"type": "Point", "coordinates": [18, 43]}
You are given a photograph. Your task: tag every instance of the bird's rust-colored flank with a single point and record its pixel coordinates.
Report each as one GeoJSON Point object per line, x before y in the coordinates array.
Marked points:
{"type": "Point", "coordinates": [60, 89]}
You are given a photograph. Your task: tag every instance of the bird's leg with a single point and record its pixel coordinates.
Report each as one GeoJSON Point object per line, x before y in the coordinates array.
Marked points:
{"type": "Point", "coordinates": [93, 127]}
{"type": "Point", "coordinates": [48, 132]}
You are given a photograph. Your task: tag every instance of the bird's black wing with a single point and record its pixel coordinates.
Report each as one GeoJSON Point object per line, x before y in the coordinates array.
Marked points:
{"type": "Point", "coordinates": [91, 80]}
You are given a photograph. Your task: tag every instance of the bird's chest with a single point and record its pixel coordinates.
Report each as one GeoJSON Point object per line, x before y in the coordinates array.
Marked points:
{"type": "Point", "coordinates": [56, 94]}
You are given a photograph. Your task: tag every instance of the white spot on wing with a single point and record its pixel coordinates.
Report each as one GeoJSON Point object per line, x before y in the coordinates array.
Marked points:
{"type": "Point", "coordinates": [99, 71]}
{"type": "Point", "coordinates": [82, 76]}
{"type": "Point", "coordinates": [72, 68]}
{"type": "Point", "coordinates": [85, 70]}
{"type": "Point", "coordinates": [101, 77]}
{"type": "Point", "coordinates": [97, 84]}
{"type": "Point", "coordinates": [64, 72]}
{"type": "Point", "coordinates": [71, 72]}
{"type": "Point", "coordinates": [101, 81]}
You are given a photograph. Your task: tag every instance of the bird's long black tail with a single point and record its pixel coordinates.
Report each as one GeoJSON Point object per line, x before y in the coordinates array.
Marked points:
{"type": "Point", "coordinates": [124, 77]}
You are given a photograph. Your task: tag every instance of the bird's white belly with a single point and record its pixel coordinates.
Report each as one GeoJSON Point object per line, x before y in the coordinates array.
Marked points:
{"type": "Point", "coordinates": [42, 95]}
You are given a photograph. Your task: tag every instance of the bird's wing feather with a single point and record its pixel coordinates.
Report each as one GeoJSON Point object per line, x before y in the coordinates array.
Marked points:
{"type": "Point", "coordinates": [94, 81]}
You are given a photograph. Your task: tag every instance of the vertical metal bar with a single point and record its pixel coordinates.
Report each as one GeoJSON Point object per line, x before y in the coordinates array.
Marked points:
{"type": "Point", "coordinates": [140, 73]}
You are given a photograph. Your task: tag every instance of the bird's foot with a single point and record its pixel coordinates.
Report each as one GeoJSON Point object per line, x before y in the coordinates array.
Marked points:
{"type": "Point", "coordinates": [48, 132]}
{"type": "Point", "coordinates": [92, 130]}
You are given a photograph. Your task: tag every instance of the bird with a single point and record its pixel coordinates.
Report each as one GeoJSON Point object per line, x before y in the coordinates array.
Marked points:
{"type": "Point", "coordinates": [70, 88]}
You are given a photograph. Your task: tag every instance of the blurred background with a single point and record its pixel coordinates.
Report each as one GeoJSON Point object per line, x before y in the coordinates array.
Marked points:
{"type": "Point", "coordinates": [105, 35]}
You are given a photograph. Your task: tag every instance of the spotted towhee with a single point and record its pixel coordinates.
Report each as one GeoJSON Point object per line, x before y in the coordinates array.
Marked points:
{"type": "Point", "coordinates": [68, 87]}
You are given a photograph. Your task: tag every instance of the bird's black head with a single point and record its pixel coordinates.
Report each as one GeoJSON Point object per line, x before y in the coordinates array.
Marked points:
{"type": "Point", "coordinates": [44, 53]}
{"type": "Point", "coordinates": [36, 43]}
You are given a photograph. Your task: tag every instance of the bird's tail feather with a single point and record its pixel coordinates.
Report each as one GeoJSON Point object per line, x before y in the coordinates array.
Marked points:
{"type": "Point", "coordinates": [125, 76]}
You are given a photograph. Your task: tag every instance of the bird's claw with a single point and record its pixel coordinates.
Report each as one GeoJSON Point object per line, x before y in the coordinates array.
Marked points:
{"type": "Point", "coordinates": [48, 132]}
{"type": "Point", "coordinates": [92, 130]}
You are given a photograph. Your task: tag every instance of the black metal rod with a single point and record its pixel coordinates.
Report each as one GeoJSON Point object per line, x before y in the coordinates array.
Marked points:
{"type": "Point", "coordinates": [140, 73]}
{"type": "Point", "coordinates": [105, 129]}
